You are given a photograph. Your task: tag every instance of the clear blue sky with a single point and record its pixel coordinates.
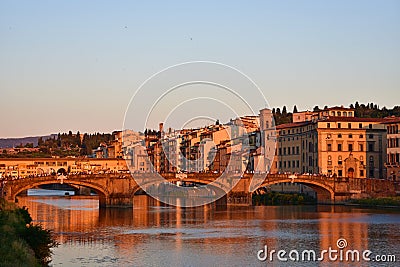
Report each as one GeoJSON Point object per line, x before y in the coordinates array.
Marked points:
{"type": "Point", "coordinates": [73, 65]}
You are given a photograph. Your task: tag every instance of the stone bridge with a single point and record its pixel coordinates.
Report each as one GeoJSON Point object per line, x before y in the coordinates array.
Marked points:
{"type": "Point", "coordinates": [119, 189]}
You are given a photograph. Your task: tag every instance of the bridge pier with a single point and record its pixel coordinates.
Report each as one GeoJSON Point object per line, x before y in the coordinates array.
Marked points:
{"type": "Point", "coordinates": [240, 198]}
{"type": "Point", "coordinates": [116, 200]}
{"type": "Point", "coordinates": [82, 191]}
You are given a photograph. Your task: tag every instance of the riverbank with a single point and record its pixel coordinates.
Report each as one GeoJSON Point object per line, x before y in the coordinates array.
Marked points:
{"type": "Point", "coordinates": [276, 198]}
{"type": "Point", "coordinates": [22, 242]}
{"type": "Point", "coordinates": [381, 202]}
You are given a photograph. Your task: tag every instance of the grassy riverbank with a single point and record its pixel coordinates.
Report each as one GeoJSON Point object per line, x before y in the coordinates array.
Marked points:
{"type": "Point", "coordinates": [22, 242]}
{"type": "Point", "coordinates": [276, 198]}
{"type": "Point", "coordinates": [392, 202]}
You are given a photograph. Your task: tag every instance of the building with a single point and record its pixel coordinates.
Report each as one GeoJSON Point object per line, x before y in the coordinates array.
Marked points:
{"type": "Point", "coordinates": [331, 142]}
{"type": "Point", "coordinates": [393, 148]}
{"type": "Point", "coordinates": [30, 167]}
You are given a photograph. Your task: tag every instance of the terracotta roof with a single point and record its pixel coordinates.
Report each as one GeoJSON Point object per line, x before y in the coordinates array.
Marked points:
{"type": "Point", "coordinates": [293, 124]}
{"type": "Point", "coordinates": [337, 107]}
{"type": "Point", "coordinates": [352, 119]}
{"type": "Point", "coordinates": [388, 120]}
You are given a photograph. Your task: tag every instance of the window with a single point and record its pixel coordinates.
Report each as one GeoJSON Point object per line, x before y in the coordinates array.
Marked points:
{"type": "Point", "coordinates": [361, 147]}
{"type": "Point", "coordinates": [350, 147]}
{"type": "Point", "coordinates": [298, 164]}
{"type": "Point", "coordinates": [339, 125]}
{"type": "Point", "coordinates": [328, 125]}
{"type": "Point", "coordinates": [329, 147]}
{"type": "Point", "coordinates": [339, 147]}
{"type": "Point", "coordinates": [350, 114]}
{"type": "Point", "coordinates": [361, 173]}
{"type": "Point", "coordinates": [294, 164]}
{"type": "Point", "coordinates": [349, 125]}
{"type": "Point", "coordinates": [339, 113]}
{"type": "Point", "coordinates": [297, 150]}
{"type": "Point", "coordinates": [361, 136]}
{"type": "Point", "coordinates": [329, 160]}
{"type": "Point", "coordinates": [339, 136]}
{"type": "Point", "coordinates": [280, 151]}
{"type": "Point", "coordinates": [350, 136]}
{"type": "Point", "coordinates": [370, 126]}
{"type": "Point", "coordinates": [371, 147]}
{"type": "Point", "coordinates": [340, 173]}
{"type": "Point", "coordinates": [360, 125]}
{"type": "Point", "coordinates": [284, 164]}
{"type": "Point", "coordinates": [362, 160]}
{"type": "Point", "coordinates": [340, 161]}
{"type": "Point", "coordinates": [371, 136]}
{"type": "Point", "coordinates": [288, 164]}
{"type": "Point", "coordinates": [284, 151]}
{"type": "Point", "coordinates": [344, 113]}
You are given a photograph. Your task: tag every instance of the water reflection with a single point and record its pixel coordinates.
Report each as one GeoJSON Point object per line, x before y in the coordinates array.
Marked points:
{"type": "Point", "coordinates": [152, 234]}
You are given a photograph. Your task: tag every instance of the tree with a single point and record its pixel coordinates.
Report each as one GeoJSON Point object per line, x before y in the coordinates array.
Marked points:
{"type": "Point", "coordinates": [295, 109]}
{"type": "Point", "coordinates": [284, 111]}
{"type": "Point", "coordinates": [351, 106]}
{"type": "Point", "coordinates": [59, 140]}
{"type": "Point", "coordinates": [357, 105]}
{"type": "Point", "coordinates": [316, 108]}
{"type": "Point", "coordinates": [278, 111]}
{"type": "Point", "coordinates": [78, 139]}
{"type": "Point", "coordinates": [40, 141]}
{"type": "Point", "coordinates": [273, 111]}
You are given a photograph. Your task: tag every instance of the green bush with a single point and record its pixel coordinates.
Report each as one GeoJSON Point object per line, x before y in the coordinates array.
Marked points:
{"type": "Point", "coordinates": [22, 243]}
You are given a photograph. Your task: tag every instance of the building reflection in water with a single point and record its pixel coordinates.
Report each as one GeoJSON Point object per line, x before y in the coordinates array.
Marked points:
{"type": "Point", "coordinates": [137, 233]}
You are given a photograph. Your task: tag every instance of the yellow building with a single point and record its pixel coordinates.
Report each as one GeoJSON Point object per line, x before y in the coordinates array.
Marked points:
{"type": "Point", "coordinates": [331, 142]}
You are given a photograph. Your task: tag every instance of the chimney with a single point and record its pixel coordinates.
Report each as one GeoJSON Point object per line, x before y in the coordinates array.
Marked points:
{"type": "Point", "coordinates": [161, 127]}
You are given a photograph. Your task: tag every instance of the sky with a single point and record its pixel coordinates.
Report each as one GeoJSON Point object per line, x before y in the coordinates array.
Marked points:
{"type": "Point", "coordinates": [75, 65]}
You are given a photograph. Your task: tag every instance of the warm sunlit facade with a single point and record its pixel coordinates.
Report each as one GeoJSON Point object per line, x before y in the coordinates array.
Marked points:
{"type": "Point", "coordinates": [332, 142]}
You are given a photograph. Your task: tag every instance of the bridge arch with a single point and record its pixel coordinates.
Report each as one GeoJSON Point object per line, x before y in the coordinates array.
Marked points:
{"type": "Point", "coordinates": [325, 193]}
{"type": "Point", "coordinates": [218, 190]}
{"type": "Point", "coordinates": [14, 188]}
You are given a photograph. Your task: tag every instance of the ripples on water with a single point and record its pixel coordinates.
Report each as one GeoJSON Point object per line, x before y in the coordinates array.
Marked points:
{"type": "Point", "coordinates": [151, 234]}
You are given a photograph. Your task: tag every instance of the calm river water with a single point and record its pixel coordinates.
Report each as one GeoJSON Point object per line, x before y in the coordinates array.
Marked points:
{"type": "Point", "coordinates": [151, 234]}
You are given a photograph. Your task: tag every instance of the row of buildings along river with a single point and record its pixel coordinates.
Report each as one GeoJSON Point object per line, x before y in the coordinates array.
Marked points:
{"type": "Point", "coordinates": [331, 142]}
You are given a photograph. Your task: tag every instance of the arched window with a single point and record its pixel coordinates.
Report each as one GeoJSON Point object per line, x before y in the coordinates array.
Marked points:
{"type": "Point", "coordinates": [371, 161]}
{"type": "Point", "coordinates": [344, 114]}
{"type": "Point", "coordinates": [339, 113]}
{"type": "Point", "coordinates": [340, 161]}
{"type": "Point", "coordinates": [329, 160]}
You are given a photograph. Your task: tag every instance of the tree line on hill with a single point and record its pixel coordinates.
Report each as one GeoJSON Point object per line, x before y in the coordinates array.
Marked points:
{"type": "Point", "coordinates": [62, 145]}
{"type": "Point", "coordinates": [369, 110]}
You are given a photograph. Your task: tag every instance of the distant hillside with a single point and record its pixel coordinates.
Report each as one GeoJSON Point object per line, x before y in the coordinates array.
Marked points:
{"type": "Point", "coordinates": [13, 142]}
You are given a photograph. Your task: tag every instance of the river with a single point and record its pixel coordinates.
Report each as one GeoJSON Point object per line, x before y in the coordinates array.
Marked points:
{"type": "Point", "coordinates": [152, 234]}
